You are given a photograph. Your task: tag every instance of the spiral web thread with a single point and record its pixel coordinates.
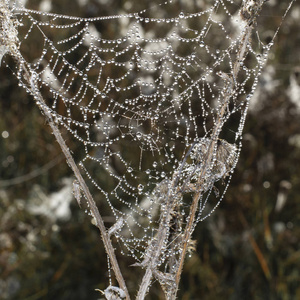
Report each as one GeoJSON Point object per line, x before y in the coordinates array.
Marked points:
{"type": "Point", "coordinates": [138, 110]}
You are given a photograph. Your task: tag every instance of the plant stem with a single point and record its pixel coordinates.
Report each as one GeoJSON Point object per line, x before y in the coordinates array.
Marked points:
{"type": "Point", "coordinates": [160, 240]}
{"type": "Point", "coordinates": [245, 40]}
{"type": "Point", "coordinates": [28, 73]}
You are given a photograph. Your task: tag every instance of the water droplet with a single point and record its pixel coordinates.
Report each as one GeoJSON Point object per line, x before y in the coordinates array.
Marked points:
{"type": "Point", "coordinates": [140, 188]}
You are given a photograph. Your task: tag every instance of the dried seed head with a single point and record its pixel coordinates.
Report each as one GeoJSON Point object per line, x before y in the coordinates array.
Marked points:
{"type": "Point", "coordinates": [226, 155]}
{"type": "Point", "coordinates": [250, 9]}
{"type": "Point", "coordinates": [113, 293]}
{"type": "Point", "coordinates": [9, 42]}
{"type": "Point", "coordinates": [77, 192]}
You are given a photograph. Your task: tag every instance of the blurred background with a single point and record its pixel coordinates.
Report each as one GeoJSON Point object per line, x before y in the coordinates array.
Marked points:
{"type": "Point", "coordinates": [248, 249]}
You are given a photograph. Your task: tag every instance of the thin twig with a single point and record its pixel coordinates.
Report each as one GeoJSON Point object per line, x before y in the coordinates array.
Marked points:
{"type": "Point", "coordinates": [245, 39]}
{"type": "Point", "coordinates": [9, 40]}
{"type": "Point", "coordinates": [92, 205]}
{"type": "Point", "coordinates": [160, 240]}
{"type": "Point", "coordinates": [35, 173]}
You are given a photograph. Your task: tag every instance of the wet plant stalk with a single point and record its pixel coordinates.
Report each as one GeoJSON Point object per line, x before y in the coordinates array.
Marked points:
{"type": "Point", "coordinates": [208, 160]}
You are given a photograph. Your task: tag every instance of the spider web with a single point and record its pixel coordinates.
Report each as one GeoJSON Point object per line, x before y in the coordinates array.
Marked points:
{"type": "Point", "coordinates": [140, 107]}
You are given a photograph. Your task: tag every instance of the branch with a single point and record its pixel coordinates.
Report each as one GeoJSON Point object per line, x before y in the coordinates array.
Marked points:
{"type": "Point", "coordinates": [249, 12]}
{"type": "Point", "coordinates": [158, 244]}
{"type": "Point", "coordinates": [10, 43]}
{"type": "Point", "coordinates": [91, 203]}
